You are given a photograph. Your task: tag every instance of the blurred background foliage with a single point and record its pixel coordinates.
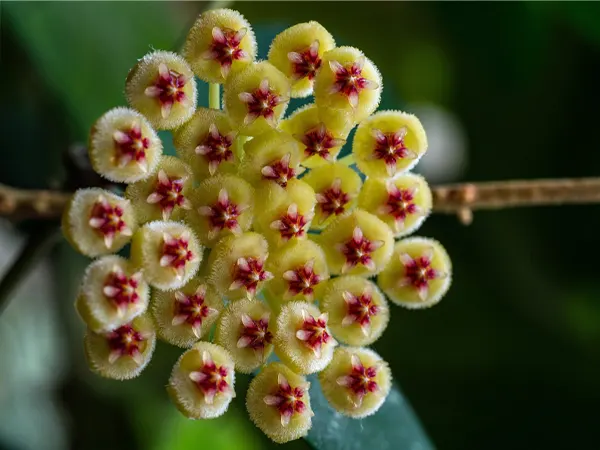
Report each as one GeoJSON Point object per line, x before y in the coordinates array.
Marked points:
{"type": "Point", "coordinates": [509, 359]}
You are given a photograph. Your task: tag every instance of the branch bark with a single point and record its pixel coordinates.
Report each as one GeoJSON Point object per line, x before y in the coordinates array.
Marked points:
{"type": "Point", "coordinates": [460, 199]}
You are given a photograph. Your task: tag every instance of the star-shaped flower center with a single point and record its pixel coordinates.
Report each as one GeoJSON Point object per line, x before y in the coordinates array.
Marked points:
{"type": "Point", "coordinates": [360, 381]}
{"type": "Point", "coordinates": [418, 272]}
{"type": "Point", "coordinates": [319, 141]}
{"type": "Point", "coordinates": [255, 333]}
{"type": "Point", "coordinates": [225, 48]}
{"type": "Point", "coordinates": [291, 224]}
{"type": "Point", "coordinates": [286, 399]}
{"type": "Point", "coordinates": [279, 171]}
{"type": "Point", "coordinates": [192, 309]}
{"type": "Point", "coordinates": [125, 341]}
{"type": "Point", "coordinates": [313, 332]}
{"type": "Point", "coordinates": [390, 147]}
{"type": "Point", "coordinates": [223, 215]}
{"type": "Point", "coordinates": [400, 204]}
{"type": "Point", "coordinates": [261, 103]}
{"type": "Point", "coordinates": [130, 145]}
{"type": "Point", "coordinates": [247, 273]}
{"type": "Point", "coordinates": [358, 250]}
{"type": "Point", "coordinates": [121, 289]}
{"type": "Point", "coordinates": [176, 253]}
{"type": "Point", "coordinates": [333, 200]}
{"type": "Point", "coordinates": [168, 194]}
{"type": "Point", "coordinates": [302, 280]}
{"type": "Point", "coordinates": [305, 63]}
{"type": "Point", "coordinates": [167, 89]}
{"type": "Point", "coordinates": [210, 379]}
{"type": "Point", "coordinates": [216, 148]}
{"type": "Point", "coordinates": [349, 80]}
{"type": "Point", "coordinates": [359, 310]}
{"type": "Point", "coordinates": [108, 221]}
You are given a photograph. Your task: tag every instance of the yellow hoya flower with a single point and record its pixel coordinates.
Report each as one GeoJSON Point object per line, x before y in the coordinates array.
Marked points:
{"type": "Point", "coordinates": [298, 52]}
{"type": "Point", "coordinates": [349, 81]}
{"type": "Point", "coordinates": [387, 143]}
{"type": "Point", "coordinates": [162, 87]}
{"type": "Point", "coordinates": [320, 132]}
{"type": "Point", "coordinates": [256, 98]}
{"type": "Point", "coordinates": [220, 41]}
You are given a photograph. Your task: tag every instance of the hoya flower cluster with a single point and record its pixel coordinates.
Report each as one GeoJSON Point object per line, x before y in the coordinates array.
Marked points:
{"type": "Point", "coordinates": [256, 230]}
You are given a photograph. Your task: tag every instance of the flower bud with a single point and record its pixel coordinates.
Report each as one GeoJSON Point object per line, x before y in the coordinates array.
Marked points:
{"type": "Point", "coordinates": [403, 202]}
{"type": "Point", "coordinates": [121, 354]}
{"type": "Point", "coordinates": [388, 143]}
{"type": "Point", "coordinates": [244, 329]}
{"type": "Point", "coordinates": [164, 195]}
{"type": "Point", "coordinates": [185, 315]}
{"type": "Point", "coordinates": [123, 146]}
{"type": "Point", "coordinates": [289, 215]}
{"type": "Point", "coordinates": [299, 268]}
{"type": "Point", "coordinates": [418, 274]}
{"type": "Point", "coordinates": [97, 222]}
{"type": "Point", "coordinates": [220, 41]}
{"type": "Point", "coordinates": [357, 243]}
{"type": "Point", "coordinates": [336, 187]}
{"type": "Point", "coordinates": [302, 340]}
{"type": "Point", "coordinates": [162, 87]}
{"type": "Point", "coordinates": [112, 293]}
{"type": "Point", "coordinates": [358, 311]}
{"type": "Point", "coordinates": [297, 52]}
{"type": "Point", "coordinates": [202, 381]}
{"type": "Point", "coordinates": [278, 403]}
{"type": "Point", "coordinates": [273, 156]}
{"type": "Point", "coordinates": [256, 98]}
{"type": "Point", "coordinates": [348, 80]}
{"type": "Point", "coordinates": [168, 252]}
{"type": "Point", "coordinates": [238, 265]}
{"type": "Point", "coordinates": [320, 132]}
{"type": "Point", "coordinates": [357, 381]}
{"type": "Point", "coordinates": [208, 143]}
{"type": "Point", "coordinates": [222, 205]}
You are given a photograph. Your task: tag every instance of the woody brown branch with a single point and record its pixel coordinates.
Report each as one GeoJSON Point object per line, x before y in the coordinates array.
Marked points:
{"type": "Point", "coordinates": [460, 199]}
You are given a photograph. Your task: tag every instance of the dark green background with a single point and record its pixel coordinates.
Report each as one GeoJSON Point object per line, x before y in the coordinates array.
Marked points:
{"type": "Point", "coordinates": [511, 357]}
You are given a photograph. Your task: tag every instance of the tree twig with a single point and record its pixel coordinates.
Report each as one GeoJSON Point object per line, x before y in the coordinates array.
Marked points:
{"type": "Point", "coordinates": [460, 199]}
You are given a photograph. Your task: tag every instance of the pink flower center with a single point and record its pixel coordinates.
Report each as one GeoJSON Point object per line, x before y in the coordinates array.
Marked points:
{"type": "Point", "coordinates": [167, 89]}
{"type": "Point", "coordinates": [254, 333]}
{"type": "Point", "coordinates": [313, 332]}
{"type": "Point", "coordinates": [286, 399]}
{"type": "Point", "coordinates": [225, 48]}
{"type": "Point", "coordinates": [320, 141]}
{"type": "Point", "coordinates": [193, 308]}
{"type": "Point", "coordinates": [121, 289]}
{"type": "Point", "coordinates": [247, 273]}
{"type": "Point", "coordinates": [216, 148]}
{"type": "Point", "coordinates": [348, 80]}
{"type": "Point", "coordinates": [261, 103]}
{"type": "Point", "coordinates": [279, 171]}
{"type": "Point", "coordinates": [291, 224]}
{"type": "Point", "coordinates": [305, 63]}
{"type": "Point", "coordinates": [125, 341]}
{"type": "Point", "coordinates": [360, 381]}
{"type": "Point", "coordinates": [400, 203]}
{"type": "Point", "coordinates": [419, 273]}
{"type": "Point", "coordinates": [210, 379]}
{"type": "Point", "coordinates": [333, 200]}
{"type": "Point", "coordinates": [360, 309]}
{"type": "Point", "coordinates": [302, 280]}
{"type": "Point", "coordinates": [107, 220]}
{"type": "Point", "coordinates": [390, 148]}
{"type": "Point", "coordinates": [168, 194]}
{"type": "Point", "coordinates": [358, 250]}
{"type": "Point", "coordinates": [175, 253]}
{"type": "Point", "coordinates": [130, 145]}
{"type": "Point", "coordinates": [223, 214]}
